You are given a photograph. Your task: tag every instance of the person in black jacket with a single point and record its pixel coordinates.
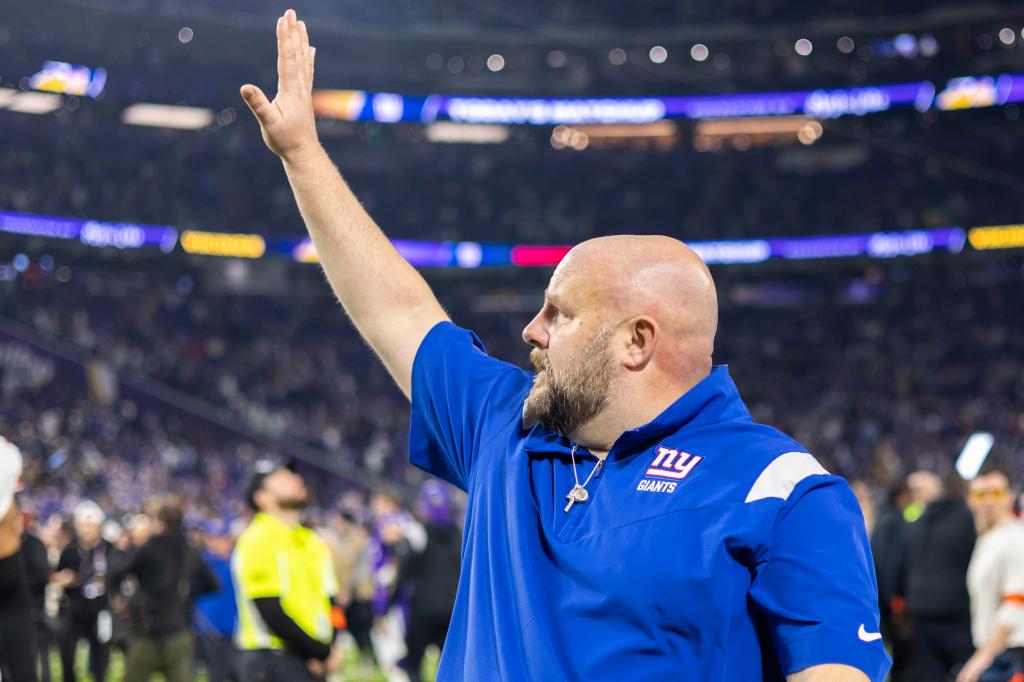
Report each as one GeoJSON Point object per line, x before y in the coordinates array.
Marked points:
{"type": "Point", "coordinates": [934, 583]}
{"type": "Point", "coordinates": [17, 643]}
{"type": "Point", "coordinates": [430, 577]}
{"type": "Point", "coordinates": [37, 571]}
{"type": "Point", "coordinates": [82, 571]}
{"type": "Point", "coordinates": [170, 573]}
{"type": "Point", "coordinates": [888, 543]}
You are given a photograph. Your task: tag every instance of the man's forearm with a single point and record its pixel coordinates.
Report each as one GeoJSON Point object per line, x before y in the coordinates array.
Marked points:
{"type": "Point", "coordinates": [996, 643]}
{"type": "Point", "coordinates": [828, 673]}
{"type": "Point", "coordinates": [389, 302]}
{"type": "Point", "coordinates": [286, 629]}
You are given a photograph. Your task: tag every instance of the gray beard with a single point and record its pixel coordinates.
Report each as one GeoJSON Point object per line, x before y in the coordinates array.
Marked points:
{"type": "Point", "coordinates": [569, 401]}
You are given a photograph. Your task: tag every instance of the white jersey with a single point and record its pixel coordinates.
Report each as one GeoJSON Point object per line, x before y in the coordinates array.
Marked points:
{"type": "Point", "coordinates": [995, 580]}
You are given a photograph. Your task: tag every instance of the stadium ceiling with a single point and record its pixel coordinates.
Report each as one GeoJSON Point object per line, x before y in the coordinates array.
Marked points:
{"type": "Point", "coordinates": [527, 29]}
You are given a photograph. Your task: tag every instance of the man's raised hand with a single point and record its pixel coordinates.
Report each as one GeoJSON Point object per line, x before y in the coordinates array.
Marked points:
{"type": "Point", "coordinates": [287, 122]}
{"type": "Point", "coordinates": [389, 302]}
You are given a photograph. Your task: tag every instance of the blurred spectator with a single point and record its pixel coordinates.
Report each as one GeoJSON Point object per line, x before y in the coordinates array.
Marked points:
{"type": "Point", "coordinates": [924, 487]}
{"type": "Point", "coordinates": [139, 528]}
{"type": "Point", "coordinates": [430, 576]}
{"type": "Point", "coordinates": [395, 535]}
{"type": "Point", "coordinates": [995, 579]}
{"type": "Point", "coordinates": [888, 544]}
{"type": "Point", "coordinates": [285, 584]}
{"type": "Point", "coordinates": [121, 594]}
{"type": "Point", "coordinates": [216, 614]}
{"type": "Point", "coordinates": [17, 641]}
{"type": "Point", "coordinates": [938, 551]}
{"type": "Point", "coordinates": [82, 572]}
{"type": "Point", "coordinates": [866, 501]}
{"type": "Point", "coordinates": [169, 573]}
{"type": "Point", "coordinates": [349, 542]}
{"type": "Point", "coordinates": [37, 570]}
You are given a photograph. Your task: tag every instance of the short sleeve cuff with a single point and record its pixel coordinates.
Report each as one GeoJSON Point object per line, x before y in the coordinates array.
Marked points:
{"type": "Point", "coordinates": [829, 646]}
{"type": "Point", "coordinates": [1011, 616]}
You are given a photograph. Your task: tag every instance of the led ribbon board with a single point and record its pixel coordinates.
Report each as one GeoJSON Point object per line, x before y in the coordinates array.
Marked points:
{"type": "Point", "coordinates": [958, 93]}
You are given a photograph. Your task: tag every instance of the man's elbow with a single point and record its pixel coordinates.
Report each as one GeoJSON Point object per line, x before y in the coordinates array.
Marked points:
{"type": "Point", "coordinates": [828, 673]}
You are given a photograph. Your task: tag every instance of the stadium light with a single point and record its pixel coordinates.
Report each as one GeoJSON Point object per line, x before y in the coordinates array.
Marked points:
{"type": "Point", "coordinates": [29, 102]}
{"type": "Point", "coordinates": [928, 45]}
{"type": "Point", "coordinates": [1007, 36]}
{"type": "Point", "coordinates": [658, 54]}
{"type": "Point", "coordinates": [473, 133]}
{"type": "Point", "coordinates": [167, 116]}
{"type": "Point", "coordinates": [803, 47]}
{"type": "Point", "coordinates": [972, 457]}
{"type": "Point", "coordinates": [456, 65]}
{"type": "Point", "coordinates": [699, 52]}
{"type": "Point", "coordinates": [495, 62]}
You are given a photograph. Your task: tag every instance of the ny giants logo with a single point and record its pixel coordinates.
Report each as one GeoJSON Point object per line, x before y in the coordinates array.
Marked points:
{"type": "Point", "coordinates": [672, 464]}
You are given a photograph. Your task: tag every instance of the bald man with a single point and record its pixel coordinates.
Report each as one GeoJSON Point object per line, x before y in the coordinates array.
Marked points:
{"type": "Point", "coordinates": [627, 519]}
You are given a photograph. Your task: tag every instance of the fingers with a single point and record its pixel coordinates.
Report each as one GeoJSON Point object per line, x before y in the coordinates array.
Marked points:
{"type": "Point", "coordinates": [282, 75]}
{"type": "Point", "coordinates": [307, 52]}
{"type": "Point", "coordinates": [296, 53]}
{"type": "Point", "coordinates": [258, 103]}
{"type": "Point", "coordinates": [290, 68]}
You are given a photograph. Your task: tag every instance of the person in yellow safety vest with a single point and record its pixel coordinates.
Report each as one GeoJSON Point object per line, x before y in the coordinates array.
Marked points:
{"type": "Point", "coordinates": [285, 587]}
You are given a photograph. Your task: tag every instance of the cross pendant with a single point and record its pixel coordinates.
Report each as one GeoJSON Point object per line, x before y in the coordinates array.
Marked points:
{"type": "Point", "coordinates": [577, 494]}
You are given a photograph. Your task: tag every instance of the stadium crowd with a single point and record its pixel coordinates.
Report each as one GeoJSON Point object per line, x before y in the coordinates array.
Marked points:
{"type": "Point", "coordinates": [535, 13]}
{"type": "Point", "coordinates": [899, 172]}
{"type": "Point", "coordinates": [881, 370]}
{"type": "Point", "coordinates": [169, 590]}
{"type": "Point", "coordinates": [164, 588]}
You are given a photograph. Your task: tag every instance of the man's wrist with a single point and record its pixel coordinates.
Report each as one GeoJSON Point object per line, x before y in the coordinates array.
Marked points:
{"type": "Point", "coordinates": [303, 155]}
{"type": "Point", "coordinates": [986, 653]}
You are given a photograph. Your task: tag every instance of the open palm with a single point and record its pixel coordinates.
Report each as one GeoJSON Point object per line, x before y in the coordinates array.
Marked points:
{"type": "Point", "coordinates": [287, 122]}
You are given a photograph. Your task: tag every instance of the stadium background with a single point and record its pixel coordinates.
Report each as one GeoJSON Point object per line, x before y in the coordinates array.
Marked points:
{"type": "Point", "coordinates": [162, 326]}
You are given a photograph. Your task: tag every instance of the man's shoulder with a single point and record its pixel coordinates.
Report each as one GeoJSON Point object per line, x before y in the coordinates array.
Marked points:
{"type": "Point", "coordinates": [313, 538]}
{"type": "Point", "coordinates": [1013, 536]}
{"type": "Point", "coordinates": [751, 461]}
{"type": "Point", "coordinates": [751, 444]}
{"type": "Point", "coordinates": [257, 530]}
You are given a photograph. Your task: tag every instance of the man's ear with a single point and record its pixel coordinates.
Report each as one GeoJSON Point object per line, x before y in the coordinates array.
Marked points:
{"type": "Point", "coordinates": [643, 334]}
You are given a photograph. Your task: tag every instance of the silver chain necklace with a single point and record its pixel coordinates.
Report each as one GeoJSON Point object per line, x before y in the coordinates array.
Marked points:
{"type": "Point", "coordinates": [579, 492]}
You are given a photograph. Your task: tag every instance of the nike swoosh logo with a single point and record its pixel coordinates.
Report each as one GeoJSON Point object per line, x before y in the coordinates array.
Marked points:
{"type": "Point", "coordinates": [866, 636]}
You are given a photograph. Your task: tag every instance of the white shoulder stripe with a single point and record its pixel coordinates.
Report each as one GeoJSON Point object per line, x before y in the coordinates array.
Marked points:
{"type": "Point", "coordinates": [780, 477]}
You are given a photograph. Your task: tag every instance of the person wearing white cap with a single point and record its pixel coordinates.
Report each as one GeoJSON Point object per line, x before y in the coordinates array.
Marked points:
{"type": "Point", "coordinates": [82, 571]}
{"type": "Point", "coordinates": [16, 662]}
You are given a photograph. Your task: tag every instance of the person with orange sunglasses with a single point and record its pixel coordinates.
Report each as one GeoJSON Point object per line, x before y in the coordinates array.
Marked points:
{"type": "Point", "coordinates": [995, 580]}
